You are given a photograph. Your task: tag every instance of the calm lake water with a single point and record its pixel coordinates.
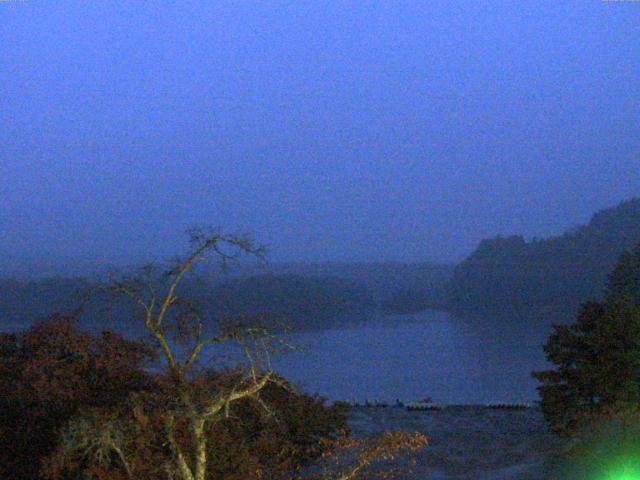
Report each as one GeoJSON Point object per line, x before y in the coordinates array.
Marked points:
{"type": "Point", "coordinates": [410, 357]}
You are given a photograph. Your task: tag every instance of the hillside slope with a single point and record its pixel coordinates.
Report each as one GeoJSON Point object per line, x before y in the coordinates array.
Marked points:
{"type": "Point", "coordinates": [512, 274]}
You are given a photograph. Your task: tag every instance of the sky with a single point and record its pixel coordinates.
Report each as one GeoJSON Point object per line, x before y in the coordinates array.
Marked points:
{"type": "Point", "coordinates": [330, 130]}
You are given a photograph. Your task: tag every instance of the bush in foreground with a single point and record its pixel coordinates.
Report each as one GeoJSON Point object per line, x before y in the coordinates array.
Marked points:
{"type": "Point", "coordinates": [47, 374]}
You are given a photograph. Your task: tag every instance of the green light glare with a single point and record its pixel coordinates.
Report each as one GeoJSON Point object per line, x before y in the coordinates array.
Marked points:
{"type": "Point", "coordinates": [611, 453]}
{"type": "Point", "coordinates": [627, 471]}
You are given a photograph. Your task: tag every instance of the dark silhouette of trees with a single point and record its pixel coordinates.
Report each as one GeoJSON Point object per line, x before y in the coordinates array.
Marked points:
{"type": "Point", "coordinates": [302, 302]}
{"type": "Point", "coordinates": [597, 359]}
{"type": "Point", "coordinates": [306, 296]}
{"type": "Point", "coordinates": [624, 281]}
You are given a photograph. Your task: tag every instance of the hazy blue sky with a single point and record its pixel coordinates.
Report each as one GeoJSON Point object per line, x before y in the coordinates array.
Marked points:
{"type": "Point", "coordinates": [331, 129]}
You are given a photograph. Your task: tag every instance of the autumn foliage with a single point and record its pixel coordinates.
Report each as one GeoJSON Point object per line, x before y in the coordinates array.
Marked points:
{"type": "Point", "coordinates": [129, 441]}
{"type": "Point", "coordinates": [376, 457]}
{"type": "Point", "coordinates": [51, 372]}
{"type": "Point", "coordinates": [76, 405]}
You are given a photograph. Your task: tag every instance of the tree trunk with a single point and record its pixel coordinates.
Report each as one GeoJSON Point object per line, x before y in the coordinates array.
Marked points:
{"type": "Point", "coordinates": [183, 468]}
{"type": "Point", "coordinates": [200, 448]}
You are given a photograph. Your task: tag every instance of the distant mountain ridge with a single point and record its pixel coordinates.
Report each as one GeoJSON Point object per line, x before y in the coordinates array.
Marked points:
{"type": "Point", "coordinates": [509, 273]}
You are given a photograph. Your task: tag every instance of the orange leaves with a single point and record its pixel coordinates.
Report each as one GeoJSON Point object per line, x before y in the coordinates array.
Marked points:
{"type": "Point", "coordinates": [47, 373]}
{"type": "Point", "coordinates": [348, 458]}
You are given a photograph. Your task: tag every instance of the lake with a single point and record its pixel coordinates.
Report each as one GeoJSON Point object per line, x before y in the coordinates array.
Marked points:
{"type": "Point", "coordinates": [410, 357]}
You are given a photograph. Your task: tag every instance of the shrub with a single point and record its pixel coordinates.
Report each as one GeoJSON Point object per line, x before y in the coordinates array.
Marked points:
{"type": "Point", "coordinates": [49, 372]}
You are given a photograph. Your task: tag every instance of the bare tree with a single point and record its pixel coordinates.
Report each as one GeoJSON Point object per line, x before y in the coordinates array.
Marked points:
{"type": "Point", "coordinates": [162, 311]}
{"type": "Point", "coordinates": [190, 402]}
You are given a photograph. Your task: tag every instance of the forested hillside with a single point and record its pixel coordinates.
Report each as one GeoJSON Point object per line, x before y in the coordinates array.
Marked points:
{"type": "Point", "coordinates": [511, 273]}
{"type": "Point", "coordinates": [301, 302]}
{"type": "Point", "coordinates": [304, 295]}
{"type": "Point", "coordinates": [309, 302]}
{"type": "Point", "coordinates": [387, 282]}
{"type": "Point", "coordinates": [396, 287]}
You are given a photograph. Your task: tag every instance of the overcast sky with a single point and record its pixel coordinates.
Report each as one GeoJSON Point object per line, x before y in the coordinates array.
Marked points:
{"type": "Point", "coordinates": [333, 130]}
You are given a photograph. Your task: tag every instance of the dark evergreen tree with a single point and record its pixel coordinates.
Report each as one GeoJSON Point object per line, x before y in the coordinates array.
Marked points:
{"type": "Point", "coordinates": [624, 281]}
{"type": "Point", "coordinates": [597, 359]}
